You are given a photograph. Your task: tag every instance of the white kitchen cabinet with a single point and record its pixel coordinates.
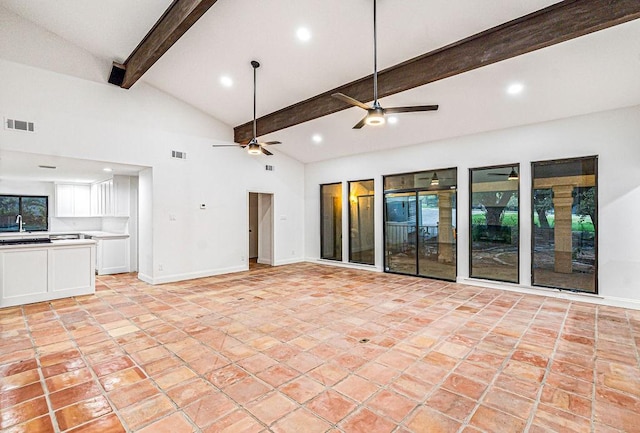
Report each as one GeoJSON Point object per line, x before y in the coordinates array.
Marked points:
{"type": "Point", "coordinates": [111, 197]}
{"type": "Point", "coordinates": [112, 255]}
{"type": "Point", "coordinates": [73, 200]}
{"type": "Point", "coordinates": [42, 272]}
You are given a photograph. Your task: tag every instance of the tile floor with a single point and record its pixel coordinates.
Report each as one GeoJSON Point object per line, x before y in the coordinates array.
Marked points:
{"type": "Point", "coordinates": [308, 348]}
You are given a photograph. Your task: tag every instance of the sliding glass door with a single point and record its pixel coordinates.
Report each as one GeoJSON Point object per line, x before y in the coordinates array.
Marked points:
{"type": "Point", "coordinates": [420, 224]}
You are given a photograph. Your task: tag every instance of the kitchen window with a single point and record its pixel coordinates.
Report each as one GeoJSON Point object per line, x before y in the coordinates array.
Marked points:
{"type": "Point", "coordinates": [31, 213]}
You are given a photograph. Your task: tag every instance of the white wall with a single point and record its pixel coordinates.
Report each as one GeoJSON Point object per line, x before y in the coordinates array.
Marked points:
{"type": "Point", "coordinates": [84, 119]}
{"type": "Point", "coordinates": [612, 135]}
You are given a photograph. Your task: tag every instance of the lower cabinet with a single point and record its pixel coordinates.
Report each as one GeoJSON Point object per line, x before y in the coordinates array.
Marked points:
{"type": "Point", "coordinates": [39, 274]}
{"type": "Point", "coordinates": [112, 255]}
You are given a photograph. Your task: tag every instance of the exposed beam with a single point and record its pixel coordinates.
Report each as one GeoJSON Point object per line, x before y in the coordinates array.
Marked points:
{"type": "Point", "coordinates": [176, 20]}
{"type": "Point", "coordinates": [555, 24]}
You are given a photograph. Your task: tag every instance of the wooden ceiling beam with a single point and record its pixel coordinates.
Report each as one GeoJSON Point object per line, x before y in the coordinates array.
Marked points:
{"type": "Point", "coordinates": [176, 20]}
{"type": "Point", "coordinates": [558, 23]}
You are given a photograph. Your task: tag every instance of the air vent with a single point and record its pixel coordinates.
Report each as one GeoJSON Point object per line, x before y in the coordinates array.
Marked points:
{"type": "Point", "coordinates": [50, 167]}
{"type": "Point", "coordinates": [19, 125]}
{"type": "Point", "coordinates": [178, 155]}
{"type": "Point", "coordinates": [269, 167]}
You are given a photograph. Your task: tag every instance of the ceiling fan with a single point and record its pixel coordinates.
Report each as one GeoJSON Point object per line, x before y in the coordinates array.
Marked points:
{"type": "Point", "coordinates": [375, 112]}
{"type": "Point", "coordinates": [254, 147]}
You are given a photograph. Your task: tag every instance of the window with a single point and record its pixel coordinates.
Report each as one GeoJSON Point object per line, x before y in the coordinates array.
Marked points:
{"type": "Point", "coordinates": [331, 221]}
{"type": "Point", "coordinates": [33, 211]}
{"type": "Point", "coordinates": [565, 224]}
{"type": "Point", "coordinates": [361, 222]}
{"type": "Point", "coordinates": [420, 223]}
{"type": "Point", "coordinates": [495, 223]}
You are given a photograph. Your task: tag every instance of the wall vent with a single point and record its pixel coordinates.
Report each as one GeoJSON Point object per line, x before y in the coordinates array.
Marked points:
{"type": "Point", "coordinates": [178, 155]}
{"type": "Point", "coordinates": [19, 125]}
{"type": "Point", "coordinates": [269, 167]}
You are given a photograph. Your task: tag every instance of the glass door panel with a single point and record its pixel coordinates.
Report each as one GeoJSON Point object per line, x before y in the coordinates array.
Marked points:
{"type": "Point", "coordinates": [565, 216]}
{"type": "Point", "coordinates": [400, 233]}
{"type": "Point", "coordinates": [331, 217]}
{"type": "Point", "coordinates": [361, 222]}
{"type": "Point", "coordinates": [494, 216]}
{"type": "Point", "coordinates": [436, 234]}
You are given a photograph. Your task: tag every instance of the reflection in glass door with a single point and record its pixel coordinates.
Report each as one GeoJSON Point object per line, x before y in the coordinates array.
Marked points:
{"type": "Point", "coordinates": [420, 224]}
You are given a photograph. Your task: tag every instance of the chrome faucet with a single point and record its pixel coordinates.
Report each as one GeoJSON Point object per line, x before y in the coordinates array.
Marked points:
{"type": "Point", "coordinates": [19, 221]}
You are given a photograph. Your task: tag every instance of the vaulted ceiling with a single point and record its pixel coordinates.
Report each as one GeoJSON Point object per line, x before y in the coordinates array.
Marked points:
{"type": "Point", "coordinates": [591, 73]}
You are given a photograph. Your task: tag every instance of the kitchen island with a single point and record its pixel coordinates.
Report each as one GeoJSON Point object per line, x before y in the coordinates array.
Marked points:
{"type": "Point", "coordinates": [36, 272]}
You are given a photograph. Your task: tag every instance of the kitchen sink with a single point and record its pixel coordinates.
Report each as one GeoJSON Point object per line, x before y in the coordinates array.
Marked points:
{"type": "Point", "coordinates": [25, 241]}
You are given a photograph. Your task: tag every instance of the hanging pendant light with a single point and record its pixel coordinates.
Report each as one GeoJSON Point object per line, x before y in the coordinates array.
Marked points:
{"type": "Point", "coordinates": [513, 175]}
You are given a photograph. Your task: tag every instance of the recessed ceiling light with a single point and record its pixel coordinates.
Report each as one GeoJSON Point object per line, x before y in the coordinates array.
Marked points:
{"type": "Point", "coordinates": [392, 120]}
{"type": "Point", "coordinates": [515, 88]}
{"type": "Point", "coordinates": [317, 138]}
{"type": "Point", "coordinates": [226, 81]}
{"type": "Point", "coordinates": [303, 34]}
{"type": "Point", "coordinates": [107, 169]}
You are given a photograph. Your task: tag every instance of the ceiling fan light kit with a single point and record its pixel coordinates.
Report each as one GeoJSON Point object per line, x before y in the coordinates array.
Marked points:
{"type": "Point", "coordinates": [375, 117]}
{"type": "Point", "coordinates": [375, 112]}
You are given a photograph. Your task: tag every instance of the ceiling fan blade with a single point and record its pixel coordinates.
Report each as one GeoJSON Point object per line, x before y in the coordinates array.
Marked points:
{"type": "Point", "coordinates": [361, 123]}
{"type": "Point", "coordinates": [350, 100]}
{"type": "Point", "coordinates": [394, 110]}
{"type": "Point", "coordinates": [269, 143]}
{"type": "Point", "coordinates": [265, 151]}
{"type": "Point", "coordinates": [226, 145]}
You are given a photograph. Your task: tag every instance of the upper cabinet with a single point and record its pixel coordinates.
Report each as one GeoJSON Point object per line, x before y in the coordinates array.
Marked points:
{"type": "Point", "coordinates": [107, 198]}
{"type": "Point", "coordinates": [111, 197]}
{"type": "Point", "coordinates": [73, 200]}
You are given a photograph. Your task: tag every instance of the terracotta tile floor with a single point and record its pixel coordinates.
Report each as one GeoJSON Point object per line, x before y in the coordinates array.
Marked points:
{"type": "Point", "coordinates": [308, 348]}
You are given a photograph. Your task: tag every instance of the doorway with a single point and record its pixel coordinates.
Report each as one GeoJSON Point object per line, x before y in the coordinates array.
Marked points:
{"type": "Point", "coordinates": [260, 229]}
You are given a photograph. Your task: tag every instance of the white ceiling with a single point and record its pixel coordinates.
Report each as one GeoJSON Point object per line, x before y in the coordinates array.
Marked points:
{"type": "Point", "coordinates": [593, 73]}
{"type": "Point", "coordinates": [26, 166]}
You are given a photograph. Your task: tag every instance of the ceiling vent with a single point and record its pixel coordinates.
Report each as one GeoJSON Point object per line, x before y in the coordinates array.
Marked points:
{"type": "Point", "coordinates": [19, 125]}
{"type": "Point", "coordinates": [178, 155]}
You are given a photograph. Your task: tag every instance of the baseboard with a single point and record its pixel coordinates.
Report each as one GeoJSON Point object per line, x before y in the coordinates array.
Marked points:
{"type": "Point", "coordinates": [370, 268]}
{"type": "Point", "coordinates": [554, 293]}
{"type": "Point", "coordinates": [191, 275]}
{"type": "Point", "coordinates": [289, 261]}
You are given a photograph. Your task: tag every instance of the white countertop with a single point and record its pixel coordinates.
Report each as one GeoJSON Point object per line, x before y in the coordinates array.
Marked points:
{"type": "Point", "coordinates": [92, 233]}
